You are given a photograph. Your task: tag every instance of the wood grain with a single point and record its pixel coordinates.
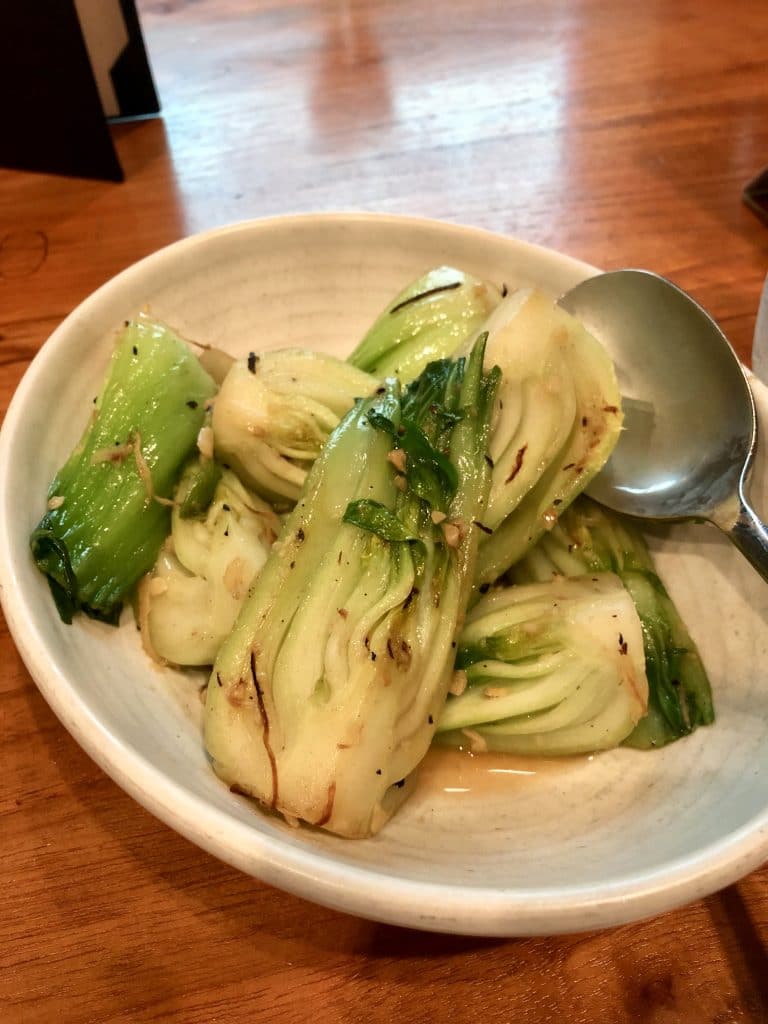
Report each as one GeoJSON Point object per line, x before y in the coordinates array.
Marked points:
{"type": "Point", "coordinates": [620, 133]}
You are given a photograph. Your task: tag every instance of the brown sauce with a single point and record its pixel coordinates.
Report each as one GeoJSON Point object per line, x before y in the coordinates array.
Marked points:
{"type": "Point", "coordinates": [461, 774]}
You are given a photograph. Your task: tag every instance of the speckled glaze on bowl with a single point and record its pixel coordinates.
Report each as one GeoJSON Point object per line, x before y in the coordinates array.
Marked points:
{"type": "Point", "coordinates": [521, 849]}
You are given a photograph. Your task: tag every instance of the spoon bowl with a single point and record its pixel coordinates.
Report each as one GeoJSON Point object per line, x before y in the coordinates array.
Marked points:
{"type": "Point", "coordinates": [690, 428]}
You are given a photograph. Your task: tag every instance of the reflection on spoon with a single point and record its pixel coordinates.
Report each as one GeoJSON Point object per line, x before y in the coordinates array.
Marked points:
{"type": "Point", "coordinates": [690, 432]}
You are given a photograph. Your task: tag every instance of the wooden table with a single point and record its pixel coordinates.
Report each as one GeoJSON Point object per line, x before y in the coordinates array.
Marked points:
{"type": "Point", "coordinates": [621, 133]}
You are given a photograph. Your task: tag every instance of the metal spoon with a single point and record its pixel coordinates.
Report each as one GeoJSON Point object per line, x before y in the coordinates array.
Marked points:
{"type": "Point", "coordinates": [690, 428]}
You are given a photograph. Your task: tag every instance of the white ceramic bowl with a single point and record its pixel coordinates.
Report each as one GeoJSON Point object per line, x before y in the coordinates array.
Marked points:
{"type": "Point", "coordinates": [522, 849]}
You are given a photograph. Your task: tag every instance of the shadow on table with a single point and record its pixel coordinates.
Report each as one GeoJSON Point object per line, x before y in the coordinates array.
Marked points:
{"type": "Point", "coordinates": [238, 908]}
{"type": "Point", "coordinates": [743, 946]}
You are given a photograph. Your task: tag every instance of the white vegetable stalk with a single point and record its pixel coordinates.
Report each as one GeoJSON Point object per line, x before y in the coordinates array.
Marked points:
{"type": "Point", "coordinates": [274, 412]}
{"type": "Point", "coordinates": [552, 668]}
{"type": "Point", "coordinates": [557, 419]}
{"type": "Point", "coordinates": [325, 697]}
{"type": "Point", "coordinates": [590, 539]}
{"type": "Point", "coordinates": [189, 602]}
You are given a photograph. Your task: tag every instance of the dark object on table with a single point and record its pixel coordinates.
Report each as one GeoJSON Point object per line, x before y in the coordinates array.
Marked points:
{"type": "Point", "coordinates": [756, 195]}
{"type": "Point", "coordinates": [62, 79]}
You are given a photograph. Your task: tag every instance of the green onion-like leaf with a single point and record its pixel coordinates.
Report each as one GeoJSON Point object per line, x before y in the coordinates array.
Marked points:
{"type": "Point", "coordinates": [199, 485]}
{"type": "Point", "coordinates": [376, 518]}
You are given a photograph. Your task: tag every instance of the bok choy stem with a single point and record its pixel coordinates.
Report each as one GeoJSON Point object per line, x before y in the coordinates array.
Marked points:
{"type": "Point", "coordinates": [325, 697]}
{"type": "Point", "coordinates": [108, 508]}
{"type": "Point", "coordinates": [590, 538]}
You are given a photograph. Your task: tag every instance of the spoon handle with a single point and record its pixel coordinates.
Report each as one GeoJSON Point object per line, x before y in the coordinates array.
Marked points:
{"type": "Point", "coordinates": [750, 535]}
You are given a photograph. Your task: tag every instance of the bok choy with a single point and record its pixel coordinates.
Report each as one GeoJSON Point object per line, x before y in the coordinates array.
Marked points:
{"type": "Point", "coordinates": [325, 697]}
{"type": "Point", "coordinates": [275, 411]}
{"type": "Point", "coordinates": [550, 668]}
{"type": "Point", "coordinates": [590, 538]}
{"type": "Point", "coordinates": [558, 409]}
{"type": "Point", "coordinates": [190, 600]}
{"type": "Point", "coordinates": [427, 320]}
{"type": "Point", "coordinates": [557, 419]}
{"type": "Point", "coordinates": [109, 505]}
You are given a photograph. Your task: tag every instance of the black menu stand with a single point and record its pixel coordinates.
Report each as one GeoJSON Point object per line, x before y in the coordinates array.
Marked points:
{"type": "Point", "coordinates": [59, 91]}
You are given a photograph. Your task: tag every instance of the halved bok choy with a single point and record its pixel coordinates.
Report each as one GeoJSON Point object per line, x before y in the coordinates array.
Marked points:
{"type": "Point", "coordinates": [275, 411]}
{"type": "Point", "coordinates": [590, 538]}
{"type": "Point", "coordinates": [188, 603]}
{"type": "Point", "coordinates": [550, 668]}
{"type": "Point", "coordinates": [556, 422]}
{"type": "Point", "coordinates": [558, 410]}
{"type": "Point", "coordinates": [109, 505]}
{"type": "Point", "coordinates": [325, 697]}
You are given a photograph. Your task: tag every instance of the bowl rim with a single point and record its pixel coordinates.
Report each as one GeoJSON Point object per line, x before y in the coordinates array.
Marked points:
{"type": "Point", "coordinates": [307, 871]}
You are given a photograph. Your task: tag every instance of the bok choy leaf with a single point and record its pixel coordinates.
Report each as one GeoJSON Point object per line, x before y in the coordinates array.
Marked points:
{"type": "Point", "coordinates": [109, 505]}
